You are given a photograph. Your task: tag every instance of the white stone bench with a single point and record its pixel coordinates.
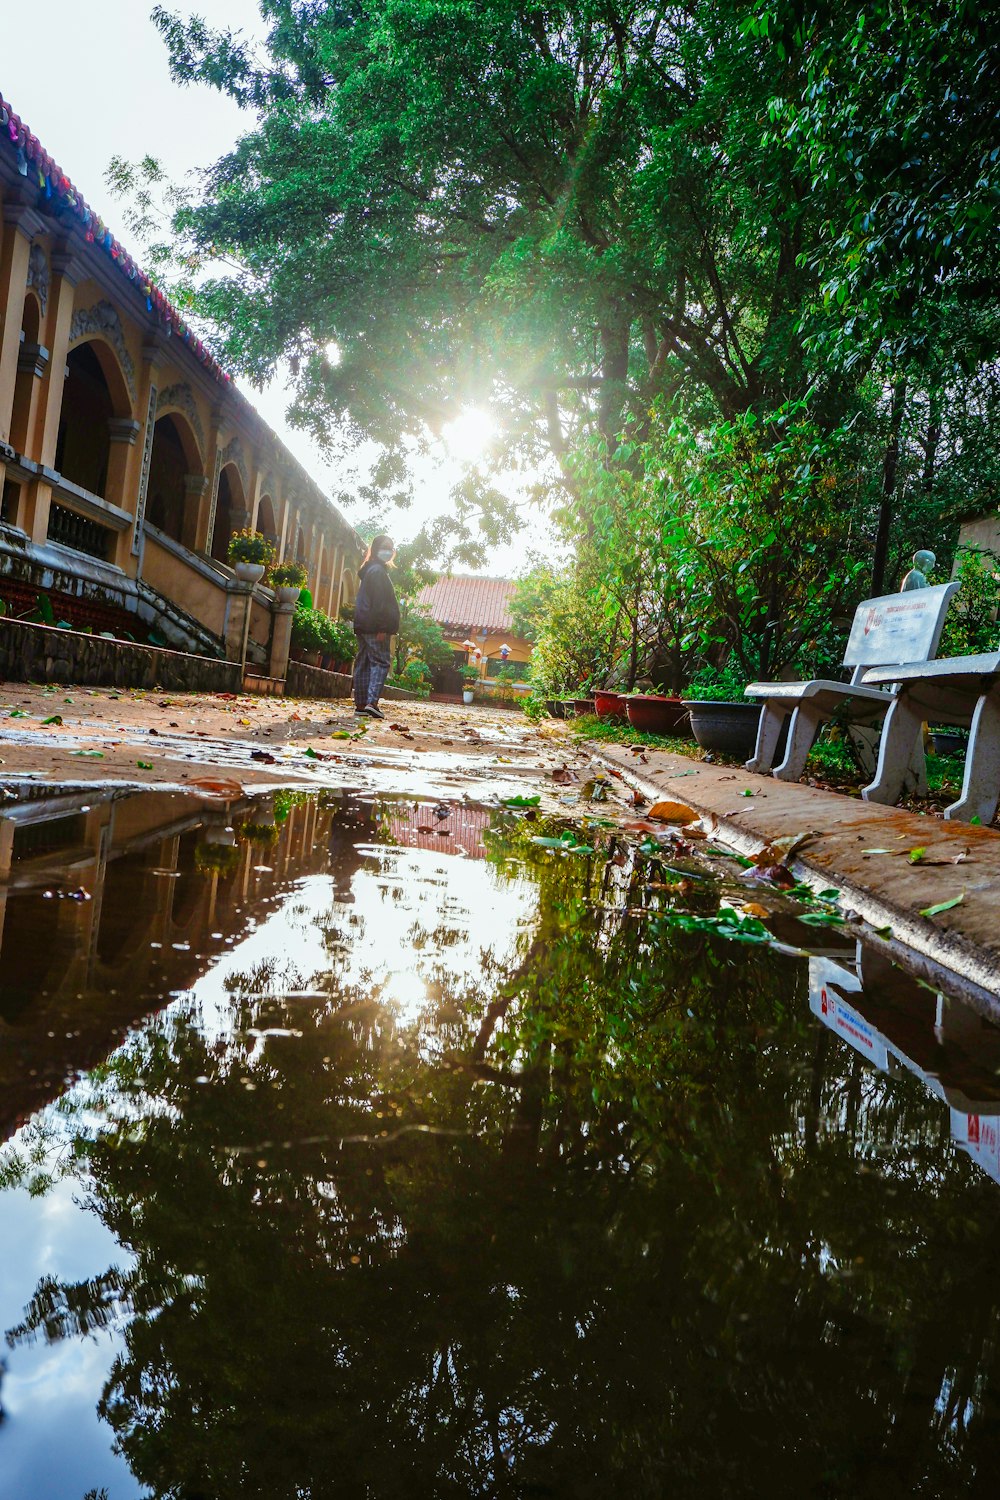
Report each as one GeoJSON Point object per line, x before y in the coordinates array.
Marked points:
{"type": "Point", "coordinates": [894, 628]}
{"type": "Point", "coordinates": [963, 690]}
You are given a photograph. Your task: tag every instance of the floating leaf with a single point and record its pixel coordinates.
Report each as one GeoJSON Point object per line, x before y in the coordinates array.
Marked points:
{"type": "Point", "coordinates": [521, 801]}
{"type": "Point", "coordinates": [932, 911]}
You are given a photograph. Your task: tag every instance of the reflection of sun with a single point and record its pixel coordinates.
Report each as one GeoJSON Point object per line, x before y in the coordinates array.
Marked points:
{"type": "Point", "coordinates": [407, 990]}
{"type": "Point", "coordinates": [468, 437]}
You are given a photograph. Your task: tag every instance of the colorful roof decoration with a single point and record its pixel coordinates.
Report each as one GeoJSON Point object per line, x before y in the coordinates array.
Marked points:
{"type": "Point", "coordinates": [58, 194]}
{"type": "Point", "coordinates": [470, 603]}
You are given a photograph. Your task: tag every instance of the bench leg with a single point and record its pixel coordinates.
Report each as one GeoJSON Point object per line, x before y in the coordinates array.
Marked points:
{"type": "Point", "coordinates": [900, 750]}
{"type": "Point", "coordinates": [802, 731]}
{"type": "Point", "coordinates": [772, 717]}
{"type": "Point", "coordinates": [981, 786]}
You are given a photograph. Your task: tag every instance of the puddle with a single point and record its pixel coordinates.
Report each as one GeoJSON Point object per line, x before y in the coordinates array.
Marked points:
{"type": "Point", "coordinates": [360, 1145]}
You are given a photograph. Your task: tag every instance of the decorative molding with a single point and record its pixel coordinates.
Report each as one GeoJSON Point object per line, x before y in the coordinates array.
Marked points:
{"type": "Point", "coordinates": [233, 454]}
{"type": "Point", "coordinates": [32, 359]}
{"type": "Point", "coordinates": [38, 274]}
{"type": "Point", "coordinates": [123, 430]}
{"type": "Point", "coordinates": [180, 398]}
{"type": "Point", "coordinates": [102, 321]}
{"type": "Point", "coordinates": [147, 454]}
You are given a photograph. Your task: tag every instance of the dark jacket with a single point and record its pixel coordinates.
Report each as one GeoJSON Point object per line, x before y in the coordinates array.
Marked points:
{"type": "Point", "coordinates": [375, 609]}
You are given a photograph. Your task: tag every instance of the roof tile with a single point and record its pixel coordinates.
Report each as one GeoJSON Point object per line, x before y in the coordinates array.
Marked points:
{"type": "Point", "coordinates": [470, 603]}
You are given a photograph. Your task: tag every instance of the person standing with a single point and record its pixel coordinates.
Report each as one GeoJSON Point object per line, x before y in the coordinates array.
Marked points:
{"type": "Point", "coordinates": [376, 620]}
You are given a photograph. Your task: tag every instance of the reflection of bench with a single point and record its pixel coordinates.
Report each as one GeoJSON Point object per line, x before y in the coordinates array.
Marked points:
{"type": "Point", "coordinates": [958, 690]}
{"type": "Point", "coordinates": [886, 631]}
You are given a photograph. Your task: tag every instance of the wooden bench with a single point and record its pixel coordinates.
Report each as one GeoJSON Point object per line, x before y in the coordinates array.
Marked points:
{"type": "Point", "coordinates": [963, 690]}
{"type": "Point", "coordinates": [895, 628]}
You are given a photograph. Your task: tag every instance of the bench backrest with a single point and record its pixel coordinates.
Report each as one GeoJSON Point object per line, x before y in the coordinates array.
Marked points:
{"type": "Point", "coordinates": [898, 628]}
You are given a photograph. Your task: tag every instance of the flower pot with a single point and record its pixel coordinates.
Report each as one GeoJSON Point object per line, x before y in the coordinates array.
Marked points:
{"type": "Point", "coordinates": [947, 742]}
{"type": "Point", "coordinates": [656, 713]}
{"type": "Point", "coordinates": [249, 572]}
{"type": "Point", "coordinates": [467, 695]}
{"type": "Point", "coordinates": [611, 706]}
{"type": "Point", "coordinates": [583, 705]}
{"type": "Point", "coordinates": [730, 728]}
{"type": "Point", "coordinates": [555, 707]}
{"type": "Point", "coordinates": [286, 593]}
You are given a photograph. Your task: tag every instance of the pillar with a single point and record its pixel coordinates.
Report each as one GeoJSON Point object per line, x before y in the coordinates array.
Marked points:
{"type": "Point", "coordinates": [67, 272]}
{"type": "Point", "coordinates": [123, 432]}
{"type": "Point", "coordinates": [281, 640]}
{"type": "Point", "coordinates": [205, 522]}
{"type": "Point", "coordinates": [20, 225]}
{"type": "Point", "coordinates": [338, 587]}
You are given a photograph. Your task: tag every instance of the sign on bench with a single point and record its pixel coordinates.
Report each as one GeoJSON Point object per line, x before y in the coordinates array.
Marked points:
{"type": "Point", "coordinates": [897, 627]}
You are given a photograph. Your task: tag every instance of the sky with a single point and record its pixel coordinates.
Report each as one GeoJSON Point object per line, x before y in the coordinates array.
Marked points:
{"type": "Point", "coordinates": [91, 80]}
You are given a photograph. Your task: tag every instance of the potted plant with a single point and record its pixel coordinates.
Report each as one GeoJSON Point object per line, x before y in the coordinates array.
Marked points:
{"type": "Point", "coordinates": [251, 554]}
{"type": "Point", "coordinates": [610, 706]}
{"type": "Point", "coordinates": [288, 580]}
{"type": "Point", "coordinates": [657, 713]}
{"type": "Point", "coordinates": [721, 717]}
{"type": "Point", "coordinates": [339, 645]}
{"type": "Point", "coordinates": [307, 635]}
{"type": "Point", "coordinates": [469, 675]}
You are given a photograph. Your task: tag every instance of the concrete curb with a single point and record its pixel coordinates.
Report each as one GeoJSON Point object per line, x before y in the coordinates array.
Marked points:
{"type": "Point", "coordinates": [948, 958]}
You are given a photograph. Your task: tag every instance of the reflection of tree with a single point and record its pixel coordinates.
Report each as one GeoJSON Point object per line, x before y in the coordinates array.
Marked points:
{"type": "Point", "coordinates": [598, 1237]}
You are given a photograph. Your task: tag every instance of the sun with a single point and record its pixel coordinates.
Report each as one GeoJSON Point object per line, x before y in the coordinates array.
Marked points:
{"type": "Point", "coordinates": [469, 435]}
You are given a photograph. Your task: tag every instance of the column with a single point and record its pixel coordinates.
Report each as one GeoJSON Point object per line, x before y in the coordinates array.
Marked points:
{"type": "Point", "coordinates": [133, 545]}
{"type": "Point", "coordinates": [67, 273]}
{"type": "Point", "coordinates": [123, 432]}
{"type": "Point", "coordinates": [205, 521]}
{"type": "Point", "coordinates": [338, 587]}
{"type": "Point", "coordinates": [281, 521]}
{"type": "Point", "coordinates": [21, 224]}
{"type": "Point", "coordinates": [281, 640]}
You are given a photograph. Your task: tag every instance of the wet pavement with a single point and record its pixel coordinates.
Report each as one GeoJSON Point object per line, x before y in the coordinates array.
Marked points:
{"type": "Point", "coordinates": [371, 1145]}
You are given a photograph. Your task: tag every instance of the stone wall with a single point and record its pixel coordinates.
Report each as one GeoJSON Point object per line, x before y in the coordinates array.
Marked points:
{"type": "Point", "coordinates": [41, 653]}
{"type": "Point", "coordinates": [312, 682]}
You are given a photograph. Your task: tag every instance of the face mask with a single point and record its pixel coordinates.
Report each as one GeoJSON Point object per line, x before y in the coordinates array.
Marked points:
{"type": "Point", "coordinates": [384, 554]}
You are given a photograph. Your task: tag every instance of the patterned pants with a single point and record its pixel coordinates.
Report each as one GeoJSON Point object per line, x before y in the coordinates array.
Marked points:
{"type": "Point", "coordinates": [371, 668]}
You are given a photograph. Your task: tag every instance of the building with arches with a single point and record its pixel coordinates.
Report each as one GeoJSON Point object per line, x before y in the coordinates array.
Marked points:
{"type": "Point", "coordinates": [127, 456]}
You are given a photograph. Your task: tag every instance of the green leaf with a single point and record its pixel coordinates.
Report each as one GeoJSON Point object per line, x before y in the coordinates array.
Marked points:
{"type": "Point", "coordinates": [521, 801]}
{"type": "Point", "coordinates": [932, 911]}
{"type": "Point", "coordinates": [144, 765]}
{"type": "Point", "coordinates": [90, 754]}
{"type": "Point", "coordinates": [916, 855]}
{"type": "Point", "coordinates": [53, 719]}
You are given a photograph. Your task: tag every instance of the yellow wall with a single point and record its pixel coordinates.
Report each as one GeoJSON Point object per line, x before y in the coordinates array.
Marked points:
{"type": "Point", "coordinates": [520, 649]}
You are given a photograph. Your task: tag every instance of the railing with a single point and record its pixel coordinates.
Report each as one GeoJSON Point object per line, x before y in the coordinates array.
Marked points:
{"type": "Point", "coordinates": [70, 529]}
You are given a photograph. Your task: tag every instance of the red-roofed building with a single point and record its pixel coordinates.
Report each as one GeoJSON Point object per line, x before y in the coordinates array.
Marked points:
{"type": "Point", "coordinates": [127, 457]}
{"type": "Point", "coordinates": [474, 614]}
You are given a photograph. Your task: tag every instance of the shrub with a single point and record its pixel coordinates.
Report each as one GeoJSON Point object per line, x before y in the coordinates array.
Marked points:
{"type": "Point", "coordinates": [415, 677]}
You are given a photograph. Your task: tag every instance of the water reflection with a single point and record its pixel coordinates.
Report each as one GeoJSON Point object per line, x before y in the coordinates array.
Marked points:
{"type": "Point", "coordinates": [453, 1175]}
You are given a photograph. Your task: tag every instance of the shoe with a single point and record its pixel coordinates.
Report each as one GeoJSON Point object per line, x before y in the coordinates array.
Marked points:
{"type": "Point", "coordinates": [372, 711]}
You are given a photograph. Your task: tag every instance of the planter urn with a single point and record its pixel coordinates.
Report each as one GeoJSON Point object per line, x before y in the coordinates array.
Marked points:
{"type": "Point", "coordinates": [729, 728]}
{"type": "Point", "coordinates": [657, 713]}
{"type": "Point", "coordinates": [467, 695]}
{"type": "Point", "coordinates": [287, 593]}
{"type": "Point", "coordinates": [248, 572]}
{"type": "Point", "coordinates": [611, 706]}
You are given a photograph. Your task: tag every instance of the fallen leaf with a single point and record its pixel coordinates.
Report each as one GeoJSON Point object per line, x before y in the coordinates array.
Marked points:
{"type": "Point", "coordinates": [144, 765]}
{"type": "Point", "coordinates": [932, 911]}
{"type": "Point", "coordinates": [400, 728]}
{"type": "Point", "coordinates": [672, 812]}
{"type": "Point", "coordinates": [916, 855]}
{"type": "Point", "coordinates": [54, 719]}
{"type": "Point", "coordinates": [90, 754]}
{"type": "Point", "coordinates": [754, 909]}
{"type": "Point", "coordinates": [564, 775]}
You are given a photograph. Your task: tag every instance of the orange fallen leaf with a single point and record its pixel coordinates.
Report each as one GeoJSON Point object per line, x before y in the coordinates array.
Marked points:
{"type": "Point", "coordinates": [672, 812]}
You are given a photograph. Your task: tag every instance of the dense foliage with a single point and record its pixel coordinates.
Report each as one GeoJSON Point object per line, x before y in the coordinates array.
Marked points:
{"type": "Point", "coordinates": [723, 273]}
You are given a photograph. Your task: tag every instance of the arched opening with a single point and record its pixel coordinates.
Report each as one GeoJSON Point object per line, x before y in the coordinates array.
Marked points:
{"type": "Point", "coordinates": [266, 523]}
{"type": "Point", "coordinates": [300, 546]}
{"type": "Point", "coordinates": [230, 499]}
{"type": "Point", "coordinates": [93, 395]}
{"type": "Point", "coordinates": [175, 482]}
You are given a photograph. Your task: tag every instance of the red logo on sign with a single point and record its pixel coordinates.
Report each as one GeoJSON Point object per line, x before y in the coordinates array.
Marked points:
{"type": "Point", "coordinates": [973, 1129]}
